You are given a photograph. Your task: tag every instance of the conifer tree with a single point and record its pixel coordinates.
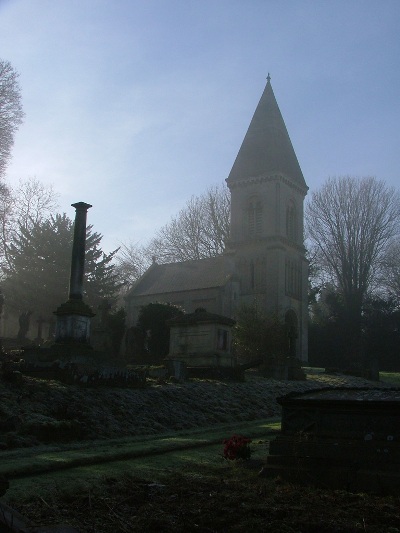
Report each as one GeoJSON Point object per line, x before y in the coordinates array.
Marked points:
{"type": "Point", "coordinates": [37, 275]}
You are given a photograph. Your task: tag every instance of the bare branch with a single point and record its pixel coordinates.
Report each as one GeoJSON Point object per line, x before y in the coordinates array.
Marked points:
{"type": "Point", "coordinates": [198, 231]}
{"type": "Point", "coordinates": [26, 206]}
{"type": "Point", "coordinates": [130, 263]}
{"type": "Point", "coordinates": [34, 201]}
{"type": "Point", "coordinates": [350, 222]}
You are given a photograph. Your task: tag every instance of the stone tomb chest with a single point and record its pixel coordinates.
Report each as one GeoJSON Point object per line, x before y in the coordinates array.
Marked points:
{"type": "Point", "coordinates": [340, 438]}
{"type": "Point", "coordinates": [201, 339]}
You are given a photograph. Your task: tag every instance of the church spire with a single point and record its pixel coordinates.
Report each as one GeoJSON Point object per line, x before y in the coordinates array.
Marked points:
{"type": "Point", "coordinates": [266, 148]}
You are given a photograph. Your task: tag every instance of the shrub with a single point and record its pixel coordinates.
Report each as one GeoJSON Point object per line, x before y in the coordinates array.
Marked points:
{"type": "Point", "coordinates": [258, 335]}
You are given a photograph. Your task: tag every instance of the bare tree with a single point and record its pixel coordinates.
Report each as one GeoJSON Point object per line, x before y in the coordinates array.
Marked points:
{"type": "Point", "coordinates": [198, 231]}
{"type": "Point", "coordinates": [130, 263]}
{"type": "Point", "coordinates": [350, 222]}
{"type": "Point", "coordinates": [390, 279]}
{"type": "Point", "coordinates": [11, 113]}
{"type": "Point", "coordinates": [23, 207]}
{"type": "Point", "coordinates": [34, 201]}
{"type": "Point", "coordinates": [7, 226]}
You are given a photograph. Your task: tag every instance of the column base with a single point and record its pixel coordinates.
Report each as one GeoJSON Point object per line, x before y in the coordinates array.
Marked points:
{"type": "Point", "coordinates": [73, 323]}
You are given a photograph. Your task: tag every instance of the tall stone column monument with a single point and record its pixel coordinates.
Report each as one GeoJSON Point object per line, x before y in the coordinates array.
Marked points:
{"type": "Point", "coordinates": [73, 316]}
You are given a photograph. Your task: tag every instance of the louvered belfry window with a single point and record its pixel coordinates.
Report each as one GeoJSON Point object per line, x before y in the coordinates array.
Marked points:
{"type": "Point", "coordinates": [254, 220]}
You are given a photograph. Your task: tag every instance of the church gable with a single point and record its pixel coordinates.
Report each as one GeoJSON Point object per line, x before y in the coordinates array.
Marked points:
{"type": "Point", "coordinates": [191, 284]}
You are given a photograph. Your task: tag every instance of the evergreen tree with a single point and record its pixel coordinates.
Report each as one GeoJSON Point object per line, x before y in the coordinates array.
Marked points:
{"type": "Point", "coordinates": [152, 323]}
{"type": "Point", "coordinates": [37, 276]}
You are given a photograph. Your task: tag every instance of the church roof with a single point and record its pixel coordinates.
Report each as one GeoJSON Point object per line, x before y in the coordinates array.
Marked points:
{"type": "Point", "coordinates": [267, 147]}
{"type": "Point", "coordinates": [184, 276]}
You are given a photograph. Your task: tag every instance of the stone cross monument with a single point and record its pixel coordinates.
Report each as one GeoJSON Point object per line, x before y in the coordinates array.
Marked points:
{"type": "Point", "coordinates": [73, 317]}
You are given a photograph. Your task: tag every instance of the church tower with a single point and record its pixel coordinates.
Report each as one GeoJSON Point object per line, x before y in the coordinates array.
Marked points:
{"type": "Point", "coordinates": [266, 239]}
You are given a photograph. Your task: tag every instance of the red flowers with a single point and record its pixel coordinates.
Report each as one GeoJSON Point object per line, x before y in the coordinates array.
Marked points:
{"type": "Point", "coordinates": [237, 447]}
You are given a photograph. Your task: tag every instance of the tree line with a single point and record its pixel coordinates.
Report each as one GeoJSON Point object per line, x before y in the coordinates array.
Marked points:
{"type": "Point", "coordinates": [351, 233]}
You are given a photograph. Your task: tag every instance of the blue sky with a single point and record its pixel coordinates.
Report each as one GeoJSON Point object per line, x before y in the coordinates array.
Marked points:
{"type": "Point", "coordinates": [135, 106]}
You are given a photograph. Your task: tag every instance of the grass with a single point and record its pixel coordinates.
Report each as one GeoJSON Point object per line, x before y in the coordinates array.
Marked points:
{"type": "Point", "coordinates": [390, 377]}
{"type": "Point", "coordinates": [196, 490]}
{"type": "Point", "coordinates": [178, 481]}
{"type": "Point", "coordinates": [86, 463]}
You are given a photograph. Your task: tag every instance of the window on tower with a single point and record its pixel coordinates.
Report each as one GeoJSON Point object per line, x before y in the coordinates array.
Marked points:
{"type": "Point", "coordinates": [293, 278]}
{"type": "Point", "coordinates": [291, 222]}
{"type": "Point", "coordinates": [254, 217]}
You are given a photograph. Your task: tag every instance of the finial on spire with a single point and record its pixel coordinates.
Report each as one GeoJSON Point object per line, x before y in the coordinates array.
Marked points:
{"type": "Point", "coordinates": [268, 77]}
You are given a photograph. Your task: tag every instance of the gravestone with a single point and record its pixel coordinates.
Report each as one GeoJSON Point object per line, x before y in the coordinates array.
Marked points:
{"type": "Point", "coordinates": [339, 438]}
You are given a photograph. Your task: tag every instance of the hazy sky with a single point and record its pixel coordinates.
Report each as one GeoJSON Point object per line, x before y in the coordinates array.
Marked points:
{"type": "Point", "coordinates": [135, 106]}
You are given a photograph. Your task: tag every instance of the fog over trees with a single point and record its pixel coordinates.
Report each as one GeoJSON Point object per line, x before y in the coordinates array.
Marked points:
{"type": "Point", "coordinates": [352, 234]}
{"type": "Point", "coordinates": [38, 267]}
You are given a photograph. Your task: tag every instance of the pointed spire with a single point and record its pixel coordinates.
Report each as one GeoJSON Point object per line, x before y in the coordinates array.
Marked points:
{"type": "Point", "coordinates": [266, 148]}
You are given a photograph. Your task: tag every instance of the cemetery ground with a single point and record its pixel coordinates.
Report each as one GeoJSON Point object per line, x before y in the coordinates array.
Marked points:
{"type": "Point", "coordinates": [169, 477]}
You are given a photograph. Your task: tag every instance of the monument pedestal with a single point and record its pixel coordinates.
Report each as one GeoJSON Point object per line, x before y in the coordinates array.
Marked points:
{"type": "Point", "coordinates": [73, 322]}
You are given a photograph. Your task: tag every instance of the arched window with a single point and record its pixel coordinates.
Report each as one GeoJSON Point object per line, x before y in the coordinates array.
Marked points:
{"type": "Point", "coordinates": [254, 217]}
{"type": "Point", "coordinates": [291, 222]}
{"type": "Point", "coordinates": [293, 278]}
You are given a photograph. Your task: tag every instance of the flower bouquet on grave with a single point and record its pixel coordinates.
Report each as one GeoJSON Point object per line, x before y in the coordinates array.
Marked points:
{"type": "Point", "coordinates": [237, 447]}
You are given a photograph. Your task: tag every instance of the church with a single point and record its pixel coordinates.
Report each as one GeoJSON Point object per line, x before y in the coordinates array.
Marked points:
{"type": "Point", "coordinates": [264, 261]}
